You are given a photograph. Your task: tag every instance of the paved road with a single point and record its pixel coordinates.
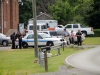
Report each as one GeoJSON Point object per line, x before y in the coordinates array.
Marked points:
{"type": "Point", "coordinates": [5, 48]}
{"type": "Point", "coordinates": [88, 60]}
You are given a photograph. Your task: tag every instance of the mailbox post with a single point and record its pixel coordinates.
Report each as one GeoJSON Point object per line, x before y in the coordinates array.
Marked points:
{"type": "Point", "coordinates": [45, 49]}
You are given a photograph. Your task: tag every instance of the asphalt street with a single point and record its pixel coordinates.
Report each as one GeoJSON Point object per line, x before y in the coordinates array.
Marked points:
{"type": "Point", "coordinates": [5, 48]}
{"type": "Point", "coordinates": [87, 60]}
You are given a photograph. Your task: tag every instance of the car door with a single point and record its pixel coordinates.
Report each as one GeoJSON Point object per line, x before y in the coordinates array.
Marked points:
{"type": "Point", "coordinates": [30, 40]}
{"type": "Point", "coordinates": [41, 41]}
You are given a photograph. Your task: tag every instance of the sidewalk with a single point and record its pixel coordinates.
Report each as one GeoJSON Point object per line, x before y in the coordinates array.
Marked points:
{"type": "Point", "coordinates": [64, 70]}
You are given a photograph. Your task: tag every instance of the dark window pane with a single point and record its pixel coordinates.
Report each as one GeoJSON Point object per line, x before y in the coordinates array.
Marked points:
{"type": "Point", "coordinates": [45, 32]}
{"type": "Point", "coordinates": [53, 33]}
{"type": "Point", "coordinates": [31, 27]}
{"type": "Point", "coordinates": [75, 26]}
{"type": "Point", "coordinates": [69, 26]}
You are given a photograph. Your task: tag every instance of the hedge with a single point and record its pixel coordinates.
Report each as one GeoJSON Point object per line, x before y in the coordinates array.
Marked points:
{"type": "Point", "coordinates": [96, 33]}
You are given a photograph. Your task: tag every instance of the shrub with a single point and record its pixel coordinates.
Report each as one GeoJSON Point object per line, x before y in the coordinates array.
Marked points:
{"type": "Point", "coordinates": [96, 33]}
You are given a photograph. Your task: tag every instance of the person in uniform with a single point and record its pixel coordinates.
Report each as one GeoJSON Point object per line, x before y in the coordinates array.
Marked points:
{"type": "Point", "coordinates": [79, 38]}
{"type": "Point", "coordinates": [13, 38]}
{"type": "Point", "coordinates": [19, 37]}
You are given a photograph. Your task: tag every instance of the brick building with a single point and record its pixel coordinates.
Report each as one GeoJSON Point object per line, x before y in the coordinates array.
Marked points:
{"type": "Point", "coordinates": [9, 15]}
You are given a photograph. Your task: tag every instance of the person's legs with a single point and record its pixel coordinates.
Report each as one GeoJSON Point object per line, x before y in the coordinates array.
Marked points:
{"type": "Point", "coordinates": [78, 41]}
{"type": "Point", "coordinates": [12, 45]}
{"type": "Point", "coordinates": [72, 40]}
{"type": "Point", "coordinates": [67, 38]}
{"type": "Point", "coordinates": [20, 44]}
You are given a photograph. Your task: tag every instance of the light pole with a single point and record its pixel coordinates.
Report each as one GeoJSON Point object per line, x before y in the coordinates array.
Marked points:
{"type": "Point", "coordinates": [2, 19]}
{"type": "Point", "coordinates": [35, 28]}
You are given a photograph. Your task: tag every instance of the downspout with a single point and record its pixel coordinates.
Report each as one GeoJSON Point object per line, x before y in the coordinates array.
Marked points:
{"type": "Point", "coordinates": [2, 15]}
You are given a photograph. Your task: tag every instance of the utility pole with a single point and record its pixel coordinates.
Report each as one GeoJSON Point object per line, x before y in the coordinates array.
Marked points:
{"type": "Point", "coordinates": [35, 28]}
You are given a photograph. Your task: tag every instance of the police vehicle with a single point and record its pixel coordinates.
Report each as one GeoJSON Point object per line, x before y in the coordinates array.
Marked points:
{"type": "Point", "coordinates": [43, 40]}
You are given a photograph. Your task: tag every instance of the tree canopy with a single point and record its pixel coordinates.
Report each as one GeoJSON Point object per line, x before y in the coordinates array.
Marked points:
{"type": "Point", "coordinates": [86, 12]}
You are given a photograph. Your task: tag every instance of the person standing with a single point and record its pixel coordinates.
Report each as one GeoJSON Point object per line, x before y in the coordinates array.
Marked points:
{"type": "Point", "coordinates": [79, 38]}
{"type": "Point", "coordinates": [13, 38]}
{"type": "Point", "coordinates": [19, 37]}
{"type": "Point", "coordinates": [72, 36]}
{"type": "Point", "coordinates": [66, 36]}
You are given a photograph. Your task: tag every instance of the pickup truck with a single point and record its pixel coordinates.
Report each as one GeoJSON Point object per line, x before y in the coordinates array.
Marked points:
{"type": "Point", "coordinates": [75, 27]}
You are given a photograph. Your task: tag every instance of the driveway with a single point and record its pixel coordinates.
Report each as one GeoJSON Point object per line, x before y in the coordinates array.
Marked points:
{"type": "Point", "coordinates": [87, 60]}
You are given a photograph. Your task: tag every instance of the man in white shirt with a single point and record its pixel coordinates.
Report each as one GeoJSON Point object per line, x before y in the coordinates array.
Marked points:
{"type": "Point", "coordinates": [66, 36]}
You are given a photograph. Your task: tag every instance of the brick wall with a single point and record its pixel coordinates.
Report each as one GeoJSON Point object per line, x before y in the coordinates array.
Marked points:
{"type": "Point", "coordinates": [0, 18]}
{"type": "Point", "coordinates": [11, 15]}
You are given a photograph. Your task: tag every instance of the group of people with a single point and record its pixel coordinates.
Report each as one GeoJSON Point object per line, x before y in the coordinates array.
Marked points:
{"type": "Point", "coordinates": [16, 37]}
{"type": "Point", "coordinates": [69, 37]}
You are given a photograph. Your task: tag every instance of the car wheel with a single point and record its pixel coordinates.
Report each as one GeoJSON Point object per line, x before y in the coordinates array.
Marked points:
{"type": "Point", "coordinates": [25, 45]}
{"type": "Point", "coordinates": [49, 43]}
{"type": "Point", "coordinates": [5, 43]}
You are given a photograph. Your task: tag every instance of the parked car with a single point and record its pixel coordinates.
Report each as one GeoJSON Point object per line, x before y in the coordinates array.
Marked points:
{"type": "Point", "coordinates": [43, 40]}
{"type": "Point", "coordinates": [52, 33]}
{"type": "Point", "coordinates": [59, 29]}
{"type": "Point", "coordinates": [75, 39]}
{"type": "Point", "coordinates": [75, 27]}
{"type": "Point", "coordinates": [4, 40]}
{"type": "Point", "coordinates": [84, 29]}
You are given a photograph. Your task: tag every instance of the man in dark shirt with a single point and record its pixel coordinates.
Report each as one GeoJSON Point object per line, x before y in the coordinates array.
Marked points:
{"type": "Point", "coordinates": [19, 37]}
{"type": "Point", "coordinates": [13, 38]}
{"type": "Point", "coordinates": [79, 38]}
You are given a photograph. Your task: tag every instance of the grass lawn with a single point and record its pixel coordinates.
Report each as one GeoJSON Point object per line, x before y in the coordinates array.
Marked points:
{"type": "Point", "coordinates": [92, 40]}
{"type": "Point", "coordinates": [21, 62]}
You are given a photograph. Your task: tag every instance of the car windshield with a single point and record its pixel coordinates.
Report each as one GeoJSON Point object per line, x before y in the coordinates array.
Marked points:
{"type": "Point", "coordinates": [43, 35]}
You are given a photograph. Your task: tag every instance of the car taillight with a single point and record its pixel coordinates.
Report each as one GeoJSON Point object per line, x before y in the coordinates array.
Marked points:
{"type": "Point", "coordinates": [26, 31]}
{"type": "Point", "coordinates": [91, 29]}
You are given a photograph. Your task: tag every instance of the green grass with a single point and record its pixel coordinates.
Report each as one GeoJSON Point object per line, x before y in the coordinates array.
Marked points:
{"type": "Point", "coordinates": [21, 62]}
{"type": "Point", "coordinates": [92, 40]}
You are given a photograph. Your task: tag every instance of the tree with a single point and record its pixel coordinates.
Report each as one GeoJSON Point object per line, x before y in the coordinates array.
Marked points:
{"type": "Point", "coordinates": [73, 10]}
{"type": "Point", "coordinates": [93, 16]}
{"type": "Point", "coordinates": [61, 11]}
{"type": "Point", "coordinates": [25, 11]}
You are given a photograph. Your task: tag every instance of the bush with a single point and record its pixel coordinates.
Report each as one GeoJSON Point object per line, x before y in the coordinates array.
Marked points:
{"type": "Point", "coordinates": [96, 33]}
